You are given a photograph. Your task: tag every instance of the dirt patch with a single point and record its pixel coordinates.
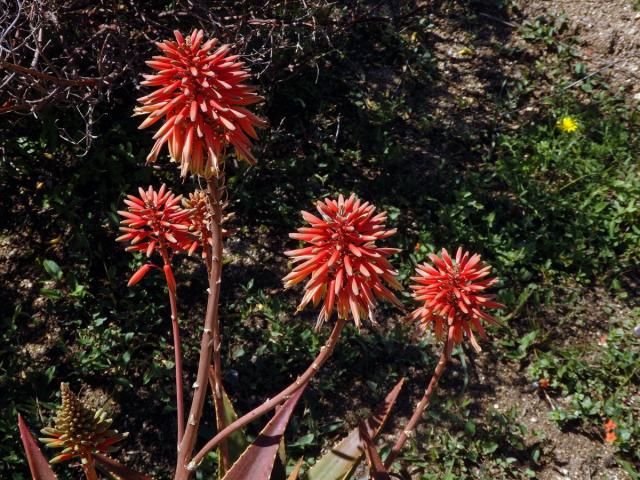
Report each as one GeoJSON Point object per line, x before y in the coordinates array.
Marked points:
{"type": "Point", "coordinates": [570, 456]}
{"type": "Point", "coordinates": [584, 318]}
{"type": "Point", "coordinates": [608, 33]}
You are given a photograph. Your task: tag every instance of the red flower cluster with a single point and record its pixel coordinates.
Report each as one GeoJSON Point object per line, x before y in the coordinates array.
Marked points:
{"type": "Point", "coordinates": [346, 267]}
{"type": "Point", "coordinates": [202, 98]}
{"type": "Point", "coordinates": [196, 206]}
{"type": "Point", "coordinates": [155, 221]}
{"type": "Point", "coordinates": [450, 290]}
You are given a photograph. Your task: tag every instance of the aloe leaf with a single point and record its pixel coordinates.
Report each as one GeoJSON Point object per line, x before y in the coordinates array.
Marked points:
{"type": "Point", "coordinates": [38, 464]}
{"type": "Point", "coordinates": [257, 461]}
{"type": "Point", "coordinates": [376, 467]}
{"type": "Point", "coordinates": [237, 441]}
{"type": "Point", "coordinates": [339, 462]}
{"type": "Point", "coordinates": [279, 471]}
{"type": "Point", "coordinates": [114, 467]}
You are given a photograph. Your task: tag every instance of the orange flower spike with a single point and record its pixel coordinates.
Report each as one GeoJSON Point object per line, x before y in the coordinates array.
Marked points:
{"type": "Point", "coordinates": [201, 96]}
{"type": "Point", "coordinates": [345, 267]}
{"type": "Point", "coordinates": [450, 293]}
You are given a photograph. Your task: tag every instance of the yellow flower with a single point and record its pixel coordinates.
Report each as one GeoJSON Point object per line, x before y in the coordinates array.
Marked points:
{"type": "Point", "coordinates": [567, 124]}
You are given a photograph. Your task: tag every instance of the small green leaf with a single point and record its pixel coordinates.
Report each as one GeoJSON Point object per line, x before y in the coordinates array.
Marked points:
{"type": "Point", "coordinates": [470, 428]}
{"type": "Point", "coordinates": [303, 441]}
{"type": "Point", "coordinates": [629, 468]}
{"type": "Point", "coordinates": [53, 269]}
{"type": "Point", "coordinates": [51, 293]}
{"type": "Point", "coordinates": [489, 447]}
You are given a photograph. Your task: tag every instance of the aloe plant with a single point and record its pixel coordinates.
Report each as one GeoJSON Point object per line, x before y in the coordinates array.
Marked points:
{"type": "Point", "coordinates": [201, 100]}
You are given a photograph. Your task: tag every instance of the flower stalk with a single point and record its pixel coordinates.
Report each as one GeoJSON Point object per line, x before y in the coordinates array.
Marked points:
{"type": "Point", "coordinates": [422, 405]}
{"type": "Point", "coordinates": [210, 341]}
{"type": "Point", "coordinates": [177, 344]}
{"type": "Point", "coordinates": [89, 468]}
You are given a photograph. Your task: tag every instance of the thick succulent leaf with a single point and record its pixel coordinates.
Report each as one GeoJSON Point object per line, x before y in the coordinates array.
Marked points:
{"type": "Point", "coordinates": [237, 441]}
{"type": "Point", "coordinates": [279, 471]}
{"type": "Point", "coordinates": [114, 467]}
{"type": "Point", "coordinates": [339, 462]}
{"type": "Point", "coordinates": [376, 467]}
{"type": "Point", "coordinates": [257, 461]}
{"type": "Point", "coordinates": [38, 464]}
{"type": "Point", "coordinates": [296, 470]}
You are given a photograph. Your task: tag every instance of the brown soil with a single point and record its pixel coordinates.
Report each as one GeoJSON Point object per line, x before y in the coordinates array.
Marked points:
{"type": "Point", "coordinates": [570, 455]}
{"type": "Point", "coordinates": [608, 33]}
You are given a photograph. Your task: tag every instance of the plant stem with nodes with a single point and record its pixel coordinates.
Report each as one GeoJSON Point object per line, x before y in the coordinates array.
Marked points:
{"type": "Point", "coordinates": [301, 381]}
{"type": "Point", "coordinates": [210, 341]}
{"type": "Point", "coordinates": [177, 344]}
{"type": "Point", "coordinates": [217, 386]}
{"type": "Point", "coordinates": [422, 405]}
{"type": "Point", "coordinates": [225, 460]}
{"type": "Point", "coordinates": [215, 370]}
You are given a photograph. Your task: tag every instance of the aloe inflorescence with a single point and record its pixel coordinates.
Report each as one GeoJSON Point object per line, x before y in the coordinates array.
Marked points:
{"type": "Point", "coordinates": [78, 430]}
